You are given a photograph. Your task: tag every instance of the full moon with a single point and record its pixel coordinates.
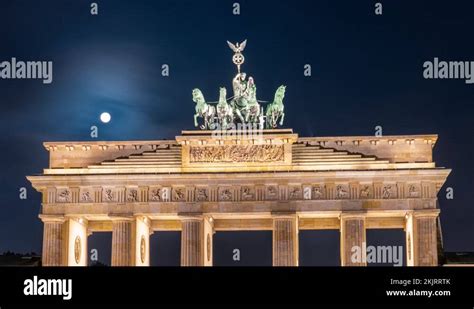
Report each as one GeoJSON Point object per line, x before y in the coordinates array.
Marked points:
{"type": "Point", "coordinates": [105, 117]}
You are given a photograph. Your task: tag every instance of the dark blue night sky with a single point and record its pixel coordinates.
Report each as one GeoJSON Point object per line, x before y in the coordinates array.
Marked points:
{"type": "Point", "coordinates": [367, 70]}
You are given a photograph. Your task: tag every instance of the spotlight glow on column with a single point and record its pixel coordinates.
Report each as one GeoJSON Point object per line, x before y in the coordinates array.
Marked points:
{"type": "Point", "coordinates": [105, 117]}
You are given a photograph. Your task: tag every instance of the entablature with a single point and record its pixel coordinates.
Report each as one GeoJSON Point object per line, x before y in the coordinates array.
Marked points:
{"type": "Point", "coordinates": [264, 150]}
{"type": "Point", "coordinates": [371, 188]}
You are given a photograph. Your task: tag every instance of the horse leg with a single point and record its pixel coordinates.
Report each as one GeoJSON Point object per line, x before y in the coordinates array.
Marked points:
{"type": "Point", "coordinates": [267, 120]}
{"type": "Point", "coordinates": [222, 121]}
{"type": "Point", "coordinates": [211, 123]}
{"type": "Point", "coordinates": [239, 114]}
{"type": "Point", "coordinates": [195, 120]}
{"type": "Point", "coordinates": [206, 122]}
{"type": "Point", "coordinates": [282, 117]}
{"type": "Point", "coordinates": [273, 120]}
{"type": "Point", "coordinates": [229, 117]}
{"type": "Point", "coordinates": [256, 116]}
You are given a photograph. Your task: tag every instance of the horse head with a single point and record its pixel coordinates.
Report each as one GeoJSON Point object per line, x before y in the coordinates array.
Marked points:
{"type": "Point", "coordinates": [222, 95]}
{"type": "Point", "coordinates": [198, 97]}
{"type": "Point", "coordinates": [279, 95]}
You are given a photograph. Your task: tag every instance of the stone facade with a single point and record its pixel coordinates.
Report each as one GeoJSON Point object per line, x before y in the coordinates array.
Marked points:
{"type": "Point", "coordinates": [199, 184]}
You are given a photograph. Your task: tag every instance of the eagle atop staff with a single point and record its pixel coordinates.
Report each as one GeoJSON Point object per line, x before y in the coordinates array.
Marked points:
{"type": "Point", "coordinates": [237, 48]}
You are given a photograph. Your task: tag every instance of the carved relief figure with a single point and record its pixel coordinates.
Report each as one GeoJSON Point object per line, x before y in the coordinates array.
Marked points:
{"type": "Point", "coordinates": [64, 196]}
{"type": "Point", "coordinates": [155, 195]}
{"type": "Point", "coordinates": [387, 191]}
{"type": "Point", "coordinates": [317, 192]}
{"type": "Point", "coordinates": [86, 197]}
{"type": "Point", "coordinates": [237, 153]}
{"type": "Point", "coordinates": [272, 192]}
{"type": "Point", "coordinates": [295, 193]}
{"type": "Point", "coordinates": [341, 192]}
{"type": "Point", "coordinates": [159, 194]}
{"type": "Point", "coordinates": [201, 194]}
{"type": "Point", "coordinates": [226, 195]}
{"type": "Point", "coordinates": [248, 193]}
{"type": "Point", "coordinates": [132, 195]}
{"type": "Point", "coordinates": [109, 195]}
{"type": "Point", "coordinates": [365, 192]}
{"type": "Point", "coordinates": [413, 191]}
{"type": "Point", "coordinates": [178, 194]}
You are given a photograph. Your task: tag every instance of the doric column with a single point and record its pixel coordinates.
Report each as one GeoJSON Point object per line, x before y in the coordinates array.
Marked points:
{"type": "Point", "coordinates": [142, 241]}
{"type": "Point", "coordinates": [76, 231]}
{"type": "Point", "coordinates": [353, 241]}
{"type": "Point", "coordinates": [192, 244]}
{"type": "Point", "coordinates": [421, 243]}
{"type": "Point", "coordinates": [285, 240]}
{"type": "Point", "coordinates": [53, 241]}
{"type": "Point", "coordinates": [123, 242]}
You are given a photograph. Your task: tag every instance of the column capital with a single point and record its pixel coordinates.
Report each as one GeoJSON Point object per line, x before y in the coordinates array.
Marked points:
{"type": "Point", "coordinates": [113, 217]}
{"type": "Point", "coordinates": [145, 219]}
{"type": "Point", "coordinates": [426, 213]}
{"type": "Point", "coordinates": [209, 219]}
{"type": "Point", "coordinates": [284, 215]}
{"type": "Point", "coordinates": [190, 216]}
{"type": "Point", "coordinates": [52, 218]}
{"type": "Point", "coordinates": [353, 215]}
{"type": "Point", "coordinates": [78, 219]}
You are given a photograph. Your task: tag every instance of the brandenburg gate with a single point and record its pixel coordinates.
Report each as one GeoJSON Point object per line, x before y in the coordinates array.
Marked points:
{"type": "Point", "coordinates": [206, 181]}
{"type": "Point", "coordinates": [199, 185]}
